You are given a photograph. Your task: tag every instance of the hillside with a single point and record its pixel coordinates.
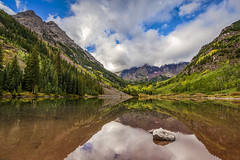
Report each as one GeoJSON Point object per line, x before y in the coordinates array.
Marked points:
{"type": "Point", "coordinates": [50, 32]}
{"type": "Point", "coordinates": [44, 59]}
{"type": "Point", "coordinates": [147, 73]}
{"type": "Point", "coordinates": [214, 70]}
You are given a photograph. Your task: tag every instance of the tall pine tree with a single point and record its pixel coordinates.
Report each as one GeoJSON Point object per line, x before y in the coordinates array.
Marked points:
{"type": "Point", "coordinates": [58, 70]}
{"type": "Point", "coordinates": [15, 75]}
{"type": "Point", "coordinates": [31, 76]}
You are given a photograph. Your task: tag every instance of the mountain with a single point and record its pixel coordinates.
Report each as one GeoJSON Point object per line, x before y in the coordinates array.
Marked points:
{"type": "Point", "coordinates": [38, 56]}
{"type": "Point", "coordinates": [152, 73]}
{"type": "Point", "coordinates": [214, 70]}
{"type": "Point", "coordinates": [51, 32]}
{"type": "Point", "coordinates": [54, 35]}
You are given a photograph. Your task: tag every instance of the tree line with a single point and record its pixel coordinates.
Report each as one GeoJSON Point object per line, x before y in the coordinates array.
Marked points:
{"type": "Point", "coordinates": [46, 75]}
{"type": "Point", "coordinates": [45, 71]}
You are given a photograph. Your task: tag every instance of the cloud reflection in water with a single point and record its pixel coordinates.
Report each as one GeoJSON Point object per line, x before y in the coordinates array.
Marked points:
{"type": "Point", "coordinates": [120, 142]}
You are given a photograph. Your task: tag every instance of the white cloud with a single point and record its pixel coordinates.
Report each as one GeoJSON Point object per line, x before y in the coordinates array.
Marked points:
{"type": "Point", "coordinates": [6, 8]}
{"type": "Point", "coordinates": [17, 3]}
{"type": "Point", "coordinates": [117, 141]}
{"type": "Point", "coordinates": [93, 19]}
{"type": "Point", "coordinates": [20, 6]}
{"type": "Point", "coordinates": [189, 8]}
{"type": "Point", "coordinates": [164, 26]}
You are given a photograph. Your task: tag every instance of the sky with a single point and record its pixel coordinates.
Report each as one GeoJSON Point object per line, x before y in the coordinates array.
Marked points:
{"type": "Point", "coordinates": [126, 33]}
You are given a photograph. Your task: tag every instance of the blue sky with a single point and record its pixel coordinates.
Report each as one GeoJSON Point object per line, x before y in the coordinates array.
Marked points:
{"type": "Point", "coordinates": [42, 7]}
{"type": "Point", "coordinates": [62, 8]}
{"type": "Point", "coordinates": [126, 33]}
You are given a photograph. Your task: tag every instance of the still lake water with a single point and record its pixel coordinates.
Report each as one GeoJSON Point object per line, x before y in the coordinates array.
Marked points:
{"type": "Point", "coordinates": [96, 129]}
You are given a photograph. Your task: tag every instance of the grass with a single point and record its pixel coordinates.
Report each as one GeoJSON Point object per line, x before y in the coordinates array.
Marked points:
{"type": "Point", "coordinates": [220, 82]}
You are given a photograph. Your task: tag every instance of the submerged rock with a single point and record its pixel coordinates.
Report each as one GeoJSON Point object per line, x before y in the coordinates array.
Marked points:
{"type": "Point", "coordinates": [162, 135]}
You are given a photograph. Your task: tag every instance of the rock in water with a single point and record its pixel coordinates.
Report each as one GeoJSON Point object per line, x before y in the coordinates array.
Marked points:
{"type": "Point", "coordinates": [163, 135]}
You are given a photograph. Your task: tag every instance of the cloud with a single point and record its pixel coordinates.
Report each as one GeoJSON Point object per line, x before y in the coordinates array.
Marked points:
{"type": "Point", "coordinates": [189, 8]}
{"type": "Point", "coordinates": [6, 8]}
{"type": "Point", "coordinates": [20, 6]}
{"type": "Point", "coordinates": [102, 23]}
{"type": "Point", "coordinates": [117, 141]}
{"type": "Point", "coordinates": [164, 26]}
{"type": "Point", "coordinates": [17, 3]}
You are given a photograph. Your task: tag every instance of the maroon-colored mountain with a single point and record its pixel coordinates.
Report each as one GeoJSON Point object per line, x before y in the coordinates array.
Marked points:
{"type": "Point", "coordinates": [152, 73]}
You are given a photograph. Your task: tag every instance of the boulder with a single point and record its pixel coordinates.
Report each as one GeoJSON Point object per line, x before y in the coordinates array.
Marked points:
{"type": "Point", "coordinates": [162, 135]}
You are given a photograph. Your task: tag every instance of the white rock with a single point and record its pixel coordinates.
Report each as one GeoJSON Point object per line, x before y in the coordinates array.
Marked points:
{"type": "Point", "coordinates": [163, 135]}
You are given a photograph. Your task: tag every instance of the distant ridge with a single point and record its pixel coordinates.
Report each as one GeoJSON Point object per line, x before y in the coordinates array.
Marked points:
{"type": "Point", "coordinates": [152, 73]}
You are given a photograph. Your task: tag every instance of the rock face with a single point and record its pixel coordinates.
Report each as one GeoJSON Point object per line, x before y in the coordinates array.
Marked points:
{"type": "Point", "coordinates": [152, 73]}
{"type": "Point", "coordinates": [50, 32]}
{"type": "Point", "coordinates": [162, 135]}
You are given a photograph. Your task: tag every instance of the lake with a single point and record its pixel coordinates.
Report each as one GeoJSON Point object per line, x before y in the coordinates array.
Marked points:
{"type": "Point", "coordinates": [109, 129]}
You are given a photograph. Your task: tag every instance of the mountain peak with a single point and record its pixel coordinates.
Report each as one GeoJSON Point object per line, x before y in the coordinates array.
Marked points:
{"type": "Point", "coordinates": [145, 65]}
{"type": "Point", "coordinates": [152, 73]}
{"type": "Point", "coordinates": [28, 13]}
{"type": "Point", "coordinates": [50, 32]}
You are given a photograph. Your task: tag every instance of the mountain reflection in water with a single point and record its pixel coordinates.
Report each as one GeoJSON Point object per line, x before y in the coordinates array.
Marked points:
{"type": "Point", "coordinates": [120, 142]}
{"type": "Point", "coordinates": [53, 129]}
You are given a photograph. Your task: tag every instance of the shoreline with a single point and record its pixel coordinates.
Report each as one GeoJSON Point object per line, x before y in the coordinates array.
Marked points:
{"type": "Point", "coordinates": [27, 95]}
{"type": "Point", "coordinates": [197, 96]}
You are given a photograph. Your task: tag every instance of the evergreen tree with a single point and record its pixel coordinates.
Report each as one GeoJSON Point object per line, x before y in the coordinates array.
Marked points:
{"type": "Point", "coordinates": [57, 75]}
{"type": "Point", "coordinates": [6, 76]}
{"type": "Point", "coordinates": [15, 76]}
{"type": "Point", "coordinates": [58, 70]}
{"type": "Point", "coordinates": [31, 77]}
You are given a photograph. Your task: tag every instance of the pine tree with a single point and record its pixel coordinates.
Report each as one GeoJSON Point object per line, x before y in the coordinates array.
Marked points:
{"type": "Point", "coordinates": [15, 76]}
{"type": "Point", "coordinates": [31, 77]}
{"type": "Point", "coordinates": [58, 69]}
{"type": "Point", "coordinates": [6, 79]}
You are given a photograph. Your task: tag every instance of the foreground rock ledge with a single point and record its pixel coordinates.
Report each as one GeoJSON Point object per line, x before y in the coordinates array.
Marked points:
{"type": "Point", "coordinates": [162, 135]}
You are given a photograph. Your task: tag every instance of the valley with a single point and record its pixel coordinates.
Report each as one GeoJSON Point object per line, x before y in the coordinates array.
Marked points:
{"type": "Point", "coordinates": [214, 70]}
{"type": "Point", "coordinates": [119, 80]}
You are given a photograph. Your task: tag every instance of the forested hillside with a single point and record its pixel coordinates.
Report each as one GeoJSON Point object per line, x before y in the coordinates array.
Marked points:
{"type": "Point", "coordinates": [214, 70]}
{"type": "Point", "coordinates": [28, 63]}
{"type": "Point", "coordinates": [70, 51]}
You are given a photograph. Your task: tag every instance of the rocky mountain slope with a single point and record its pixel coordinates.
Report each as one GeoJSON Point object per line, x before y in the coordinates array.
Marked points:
{"type": "Point", "coordinates": [72, 53]}
{"type": "Point", "coordinates": [49, 31]}
{"type": "Point", "coordinates": [152, 73]}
